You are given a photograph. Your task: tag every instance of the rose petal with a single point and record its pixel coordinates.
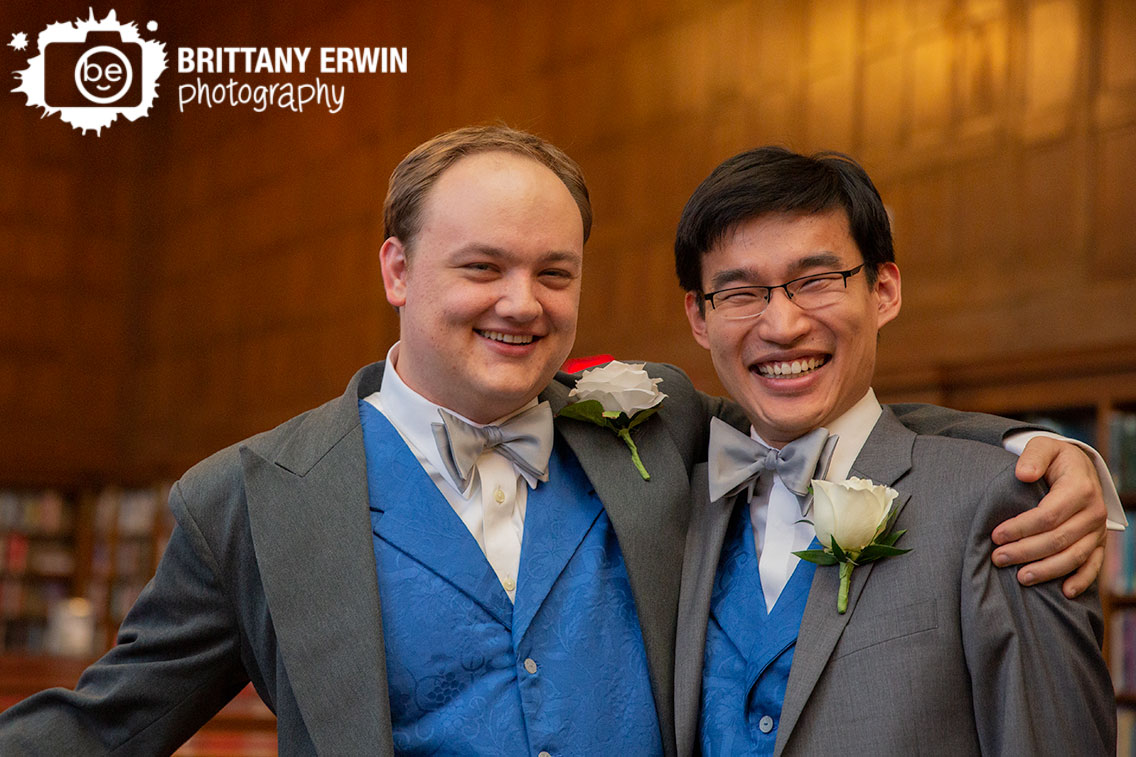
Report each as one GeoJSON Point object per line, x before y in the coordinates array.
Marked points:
{"type": "Point", "coordinates": [619, 387]}
{"type": "Point", "coordinates": [854, 511]}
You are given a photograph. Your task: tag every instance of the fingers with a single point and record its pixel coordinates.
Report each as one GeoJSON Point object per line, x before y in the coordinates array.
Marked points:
{"type": "Point", "coordinates": [1072, 540]}
{"type": "Point", "coordinates": [1074, 490]}
{"type": "Point", "coordinates": [1083, 578]}
{"type": "Point", "coordinates": [1063, 535]}
{"type": "Point", "coordinates": [1042, 519]}
{"type": "Point", "coordinates": [1037, 457]}
{"type": "Point", "coordinates": [1080, 558]}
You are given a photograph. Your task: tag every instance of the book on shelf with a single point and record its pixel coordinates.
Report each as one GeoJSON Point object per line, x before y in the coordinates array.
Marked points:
{"type": "Point", "coordinates": [1122, 657]}
{"type": "Point", "coordinates": [1119, 573]}
{"type": "Point", "coordinates": [1074, 423]}
{"type": "Point", "coordinates": [136, 510]}
{"type": "Point", "coordinates": [1122, 449]}
{"type": "Point", "coordinates": [35, 513]}
{"type": "Point", "coordinates": [1126, 732]}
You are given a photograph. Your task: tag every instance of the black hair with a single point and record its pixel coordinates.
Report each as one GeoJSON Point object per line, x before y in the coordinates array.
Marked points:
{"type": "Point", "coordinates": [776, 180]}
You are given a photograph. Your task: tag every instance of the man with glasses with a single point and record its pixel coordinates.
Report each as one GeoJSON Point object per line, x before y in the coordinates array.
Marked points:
{"type": "Point", "coordinates": [928, 649]}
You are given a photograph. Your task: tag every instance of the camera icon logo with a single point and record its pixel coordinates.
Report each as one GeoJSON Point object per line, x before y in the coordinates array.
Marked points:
{"type": "Point", "coordinates": [98, 71]}
{"type": "Point", "coordinates": [91, 71]}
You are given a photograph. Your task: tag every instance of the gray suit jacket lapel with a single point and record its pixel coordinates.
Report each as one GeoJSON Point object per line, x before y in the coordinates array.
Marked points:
{"type": "Point", "coordinates": [310, 524]}
{"type": "Point", "coordinates": [650, 538]}
{"type": "Point", "coordinates": [885, 458]}
{"type": "Point", "coordinates": [709, 522]}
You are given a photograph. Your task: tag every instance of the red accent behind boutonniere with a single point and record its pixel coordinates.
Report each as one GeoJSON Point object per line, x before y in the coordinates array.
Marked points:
{"type": "Point", "coordinates": [577, 364]}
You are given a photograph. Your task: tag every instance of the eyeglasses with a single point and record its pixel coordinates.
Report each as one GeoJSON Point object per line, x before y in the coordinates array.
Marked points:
{"type": "Point", "coordinates": [807, 293]}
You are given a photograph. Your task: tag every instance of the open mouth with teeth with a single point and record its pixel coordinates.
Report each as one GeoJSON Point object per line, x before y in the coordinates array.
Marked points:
{"type": "Point", "coordinates": [790, 368]}
{"type": "Point", "coordinates": [498, 336]}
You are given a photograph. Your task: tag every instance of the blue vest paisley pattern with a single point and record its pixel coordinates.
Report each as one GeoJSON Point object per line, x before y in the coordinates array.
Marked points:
{"type": "Point", "coordinates": [749, 651]}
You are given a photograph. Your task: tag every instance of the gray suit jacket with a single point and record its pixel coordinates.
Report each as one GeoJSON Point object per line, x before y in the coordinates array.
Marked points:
{"type": "Point", "coordinates": [939, 652]}
{"type": "Point", "coordinates": [270, 576]}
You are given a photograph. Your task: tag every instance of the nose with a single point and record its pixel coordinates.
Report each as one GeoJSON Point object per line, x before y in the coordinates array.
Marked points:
{"type": "Point", "coordinates": [518, 300]}
{"type": "Point", "coordinates": [782, 322]}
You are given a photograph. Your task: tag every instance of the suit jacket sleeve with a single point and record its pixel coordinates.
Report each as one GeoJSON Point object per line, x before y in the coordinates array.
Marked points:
{"type": "Point", "coordinates": [934, 420]}
{"type": "Point", "coordinates": [176, 663]}
{"type": "Point", "coordinates": [1039, 680]}
{"type": "Point", "coordinates": [686, 412]}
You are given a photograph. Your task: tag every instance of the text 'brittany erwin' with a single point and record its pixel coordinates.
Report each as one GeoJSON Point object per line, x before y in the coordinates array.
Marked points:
{"type": "Point", "coordinates": [287, 60]}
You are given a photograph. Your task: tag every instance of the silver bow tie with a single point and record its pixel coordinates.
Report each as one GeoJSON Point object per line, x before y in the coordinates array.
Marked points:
{"type": "Point", "coordinates": [736, 460]}
{"type": "Point", "coordinates": [525, 440]}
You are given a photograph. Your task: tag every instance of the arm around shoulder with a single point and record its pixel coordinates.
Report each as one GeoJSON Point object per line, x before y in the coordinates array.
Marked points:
{"type": "Point", "coordinates": [934, 420]}
{"type": "Point", "coordinates": [1039, 680]}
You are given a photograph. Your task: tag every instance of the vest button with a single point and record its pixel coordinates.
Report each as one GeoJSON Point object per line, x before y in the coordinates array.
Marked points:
{"type": "Point", "coordinates": [499, 496]}
{"type": "Point", "coordinates": [765, 724]}
{"type": "Point", "coordinates": [544, 754]}
{"type": "Point", "coordinates": [530, 665]}
{"type": "Point", "coordinates": [509, 584]}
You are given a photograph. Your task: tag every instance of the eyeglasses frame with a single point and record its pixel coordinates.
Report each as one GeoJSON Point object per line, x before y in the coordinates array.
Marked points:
{"type": "Point", "coordinates": [709, 296]}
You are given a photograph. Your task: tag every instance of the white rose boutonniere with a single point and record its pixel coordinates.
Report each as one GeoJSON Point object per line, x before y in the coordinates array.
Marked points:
{"type": "Point", "coordinates": [852, 519]}
{"type": "Point", "coordinates": [618, 396]}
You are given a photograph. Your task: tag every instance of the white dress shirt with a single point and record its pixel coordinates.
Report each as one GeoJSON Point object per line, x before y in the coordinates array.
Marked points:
{"type": "Point", "coordinates": [493, 505]}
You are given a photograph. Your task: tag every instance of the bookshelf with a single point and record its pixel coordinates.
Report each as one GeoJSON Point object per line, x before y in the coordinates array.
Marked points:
{"type": "Point", "coordinates": [128, 532]}
{"type": "Point", "coordinates": [97, 547]}
{"type": "Point", "coordinates": [38, 538]}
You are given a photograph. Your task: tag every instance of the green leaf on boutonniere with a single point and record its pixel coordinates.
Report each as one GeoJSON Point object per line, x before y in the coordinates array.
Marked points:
{"type": "Point", "coordinates": [818, 556]}
{"type": "Point", "coordinates": [878, 551]}
{"type": "Point", "coordinates": [588, 410]}
{"type": "Point", "coordinates": [889, 540]}
{"type": "Point", "coordinates": [838, 553]}
{"type": "Point", "coordinates": [592, 411]}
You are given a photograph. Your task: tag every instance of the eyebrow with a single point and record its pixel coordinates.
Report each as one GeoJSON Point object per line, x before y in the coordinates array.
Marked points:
{"type": "Point", "coordinates": [746, 276]}
{"type": "Point", "coordinates": [500, 254]}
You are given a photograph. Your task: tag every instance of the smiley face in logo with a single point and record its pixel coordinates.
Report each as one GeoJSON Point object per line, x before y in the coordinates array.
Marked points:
{"type": "Point", "coordinates": [103, 74]}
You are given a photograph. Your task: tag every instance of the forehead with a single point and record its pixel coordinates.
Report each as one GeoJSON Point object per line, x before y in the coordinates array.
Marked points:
{"type": "Point", "coordinates": [778, 246]}
{"type": "Point", "coordinates": [503, 191]}
{"type": "Point", "coordinates": [497, 175]}
{"type": "Point", "coordinates": [498, 200]}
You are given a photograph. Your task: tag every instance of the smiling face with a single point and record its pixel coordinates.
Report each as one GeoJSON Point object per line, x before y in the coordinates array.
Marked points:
{"type": "Point", "coordinates": [794, 370]}
{"type": "Point", "coordinates": [489, 291]}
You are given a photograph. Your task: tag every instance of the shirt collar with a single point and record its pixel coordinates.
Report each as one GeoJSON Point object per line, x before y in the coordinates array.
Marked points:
{"type": "Point", "coordinates": [413, 415]}
{"type": "Point", "coordinates": [853, 428]}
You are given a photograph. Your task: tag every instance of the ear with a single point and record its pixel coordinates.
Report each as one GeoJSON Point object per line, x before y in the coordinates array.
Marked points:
{"type": "Point", "coordinates": [697, 319]}
{"type": "Point", "coordinates": [887, 293]}
{"type": "Point", "coordinates": [392, 260]}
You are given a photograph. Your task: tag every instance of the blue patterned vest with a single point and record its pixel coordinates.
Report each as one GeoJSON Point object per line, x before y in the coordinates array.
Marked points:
{"type": "Point", "coordinates": [748, 651]}
{"type": "Point", "coordinates": [563, 670]}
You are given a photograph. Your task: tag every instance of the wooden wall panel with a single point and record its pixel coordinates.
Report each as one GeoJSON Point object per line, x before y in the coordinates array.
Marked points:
{"type": "Point", "coordinates": [207, 274]}
{"type": "Point", "coordinates": [1114, 211]}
